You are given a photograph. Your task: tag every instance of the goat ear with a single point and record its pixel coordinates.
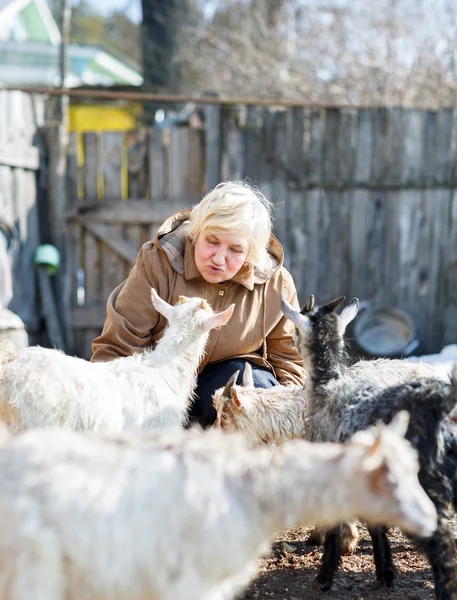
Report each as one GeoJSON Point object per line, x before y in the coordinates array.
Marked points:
{"type": "Point", "coordinates": [161, 306]}
{"type": "Point", "coordinates": [347, 315]}
{"type": "Point", "coordinates": [334, 303]}
{"type": "Point", "coordinates": [236, 398]}
{"type": "Point", "coordinates": [248, 378]}
{"type": "Point", "coordinates": [399, 423]}
{"type": "Point", "coordinates": [221, 318]}
{"type": "Point", "coordinates": [230, 383]}
{"type": "Point", "coordinates": [374, 455]}
{"type": "Point", "coordinates": [309, 305]}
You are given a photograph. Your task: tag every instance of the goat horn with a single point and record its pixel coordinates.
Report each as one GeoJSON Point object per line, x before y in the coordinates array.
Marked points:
{"type": "Point", "coordinates": [230, 383]}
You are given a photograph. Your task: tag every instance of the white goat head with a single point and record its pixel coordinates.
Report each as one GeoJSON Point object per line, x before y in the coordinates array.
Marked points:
{"type": "Point", "coordinates": [191, 314]}
{"type": "Point", "coordinates": [226, 401]}
{"type": "Point", "coordinates": [312, 314]}
{"type": "Point", "coordinates": [388, 466]}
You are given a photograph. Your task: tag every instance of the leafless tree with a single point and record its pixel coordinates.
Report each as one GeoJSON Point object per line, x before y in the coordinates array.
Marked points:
{"type": "Point", "coordinates": [333, 51]}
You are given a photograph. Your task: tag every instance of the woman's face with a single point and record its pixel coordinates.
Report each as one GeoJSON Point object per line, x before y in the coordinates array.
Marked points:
{"type": "Point", "coordinates": [219, 256]}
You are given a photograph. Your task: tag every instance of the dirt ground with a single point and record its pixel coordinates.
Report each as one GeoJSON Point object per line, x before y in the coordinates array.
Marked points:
{"type": "Point", "coordinates": [288, 574]}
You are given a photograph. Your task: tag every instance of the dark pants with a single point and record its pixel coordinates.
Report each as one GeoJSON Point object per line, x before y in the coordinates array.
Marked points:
{"type": "Point", "coordinates": [216, 376]}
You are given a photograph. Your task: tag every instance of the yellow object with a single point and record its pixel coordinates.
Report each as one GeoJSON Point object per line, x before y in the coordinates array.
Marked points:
{"type": "Point", "coordinates": [98, 118]}
{"type": "Point", "coordinates": [103, 117]}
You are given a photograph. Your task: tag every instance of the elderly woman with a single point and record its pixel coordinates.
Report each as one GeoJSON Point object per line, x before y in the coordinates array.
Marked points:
{"type": "Point", "coordinates": [221, 250]}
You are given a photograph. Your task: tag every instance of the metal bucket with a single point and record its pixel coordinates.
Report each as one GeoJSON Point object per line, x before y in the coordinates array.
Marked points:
{"type": "Point", "coordinates": [384, 332]}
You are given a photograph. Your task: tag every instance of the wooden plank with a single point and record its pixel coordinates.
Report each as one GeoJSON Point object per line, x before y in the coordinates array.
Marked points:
{"type": "Point", "coordinates": [91, 166]}
{"type": "Point", "coordinates": [445, 162]}
{"type": "Point", "coordinates": [133, 212]}
{"type": "Point", "coordinates": [314, 155]}
{"type": "Point", "coordinates": [156, 164]}
{"type": "Point", "coordinates": [279, 189]}
{"type": "Point", "coordinates": [331, 171]}
{"type": "Point", "coordinates": [394, 145]}
{"type": "Point", "coordinates": [56, 138]}
{"type": "Point", "coordinates": [254, 155]}
{"type": "Point", "coordinates": [439, 264]}
{"type": "Point", "coordinates": [137, 144]}
{"type": "Point", "coordinates": [136, 236]}
{"type": "Point", "coordinates": [425, 292]}
{"type": "Point", "coordinates": [380, 124]}
{"type": "Point", "coordinates": [72, 173]}
{"type": "Point", "coordinates": [429, 169]}
{"type": "Point", "coordinates": [113, 240]}
{"type": "Point", "coordinates": [391, 263]}
{"type": "Point", "coordinates": [88, 318]}
{"type": "Point", "coordinates": [213, 148]}
{"type": "Point", "coordinates": [358, 243]}
{"type": "Point", "coordinates": [375, 248]}
{"type": "Point", "coordinates": [92, 249]}
{"type": "Point", "coordinates": [311, 261]}
{"type": "Point", "coordinates": [20, 156]}
{"type": "Point", "coordinates": [112, 150]}
{"type": "Point", "coordinates": [296, 161]}
{"type": "Point", "coordinates": [408, 249]}
{"type": "Point", "coordinates": [196, 163]}
{"type": "Point", "coordinates": [344, 249]}
{"type": "Point", "coordinates": [265, 151]}
{"type": "Point", "coordinates": [364, 150]}
{"type": "Point", "coordinates": [111, 264]}
{"type": "Point", "coordinates": [413, 147]}
{"type": "Point", "coordinates": [177, 161]}
{"type": "Point", "coordinates": [74, 246]}
{"type": "Point", "coordinates": [347, 145]}
{"type": "Point", "coordinates": [298, 237]}
{"type": "Point", "coordinates": [328, 253]}
{"type": "Point", "coordinates": [450, 274]}
{"type": "Point", "coordinates": [232, 167]}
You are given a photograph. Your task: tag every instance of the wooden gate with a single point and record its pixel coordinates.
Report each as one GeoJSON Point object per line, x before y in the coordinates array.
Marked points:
{"type": "Point", "coordinates": [122, 187]}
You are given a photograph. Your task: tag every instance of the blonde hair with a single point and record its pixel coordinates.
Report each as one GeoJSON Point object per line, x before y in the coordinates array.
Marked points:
{"type": "Point", "coordinates": [235, 206]}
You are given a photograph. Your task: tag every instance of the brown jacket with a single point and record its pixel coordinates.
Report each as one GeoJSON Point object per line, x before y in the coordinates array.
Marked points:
{"type": "Point", "coordinates": [257, 329]}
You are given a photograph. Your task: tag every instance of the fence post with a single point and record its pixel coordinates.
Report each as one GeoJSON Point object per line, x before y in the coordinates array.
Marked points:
{"type": "Point", "coordinates": [56, 139]}
{"type": "Point", "coordinates": [213, 145]}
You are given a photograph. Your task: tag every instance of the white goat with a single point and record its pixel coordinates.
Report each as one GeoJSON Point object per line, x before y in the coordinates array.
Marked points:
{"type": "Point", "coordinates": [41, 387]}
{"type": "Point", "coordinates": [183, 515]}
{"type": "Point", "coordinates": [264, 415]}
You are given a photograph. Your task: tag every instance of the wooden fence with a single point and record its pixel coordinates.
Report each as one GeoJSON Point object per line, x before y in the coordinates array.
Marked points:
{"type": "Point", "coordinates": [366, 202]}
{"type": "Point", "coordinates": [20, 150]}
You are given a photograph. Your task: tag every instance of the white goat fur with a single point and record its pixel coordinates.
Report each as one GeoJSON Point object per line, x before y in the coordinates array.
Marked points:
{"type": "Point", "coordinates": [264, 415]}
{"type": "Point", "coordinates": [41, 387]}
{"type": "Point", "coordinates": [183, 515]}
